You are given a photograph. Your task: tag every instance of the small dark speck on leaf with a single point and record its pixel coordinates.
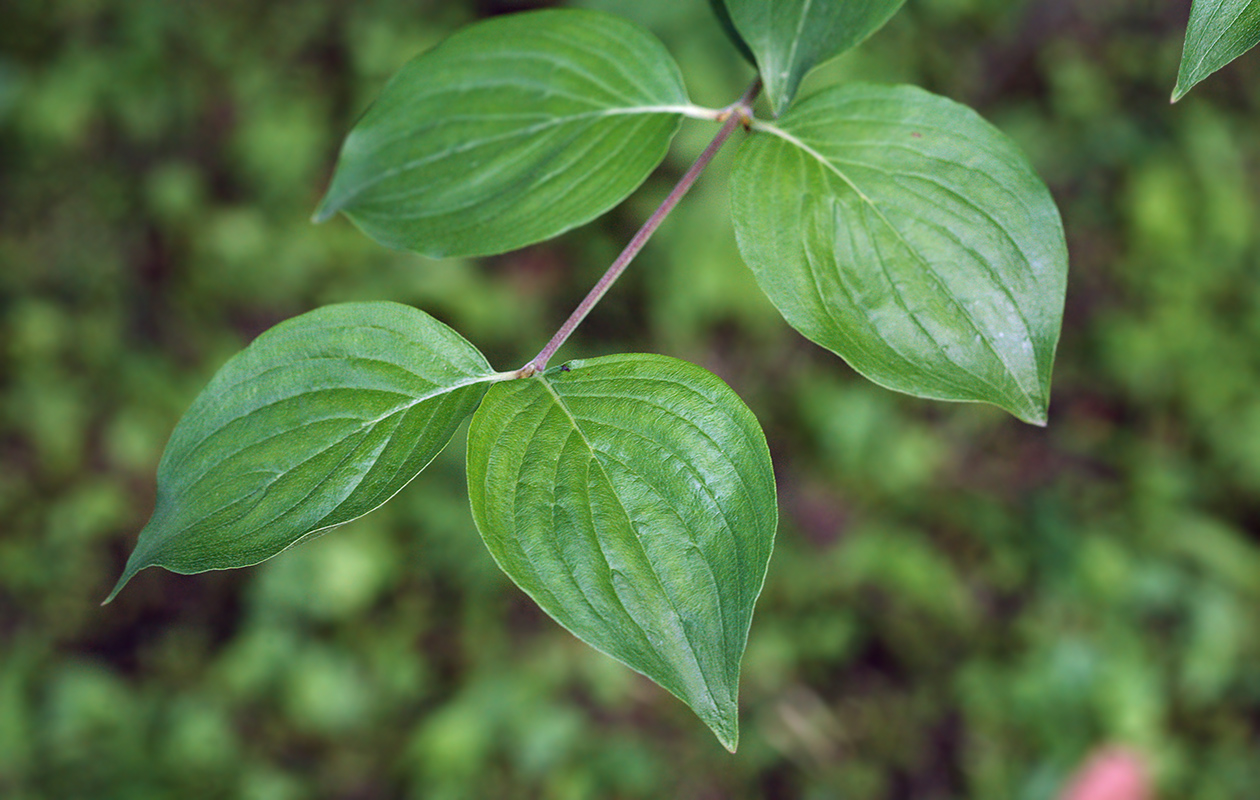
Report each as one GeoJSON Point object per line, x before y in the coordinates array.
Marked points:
{"type": "Point", "coordinates": [917, 135]}
{"type": "Point", "coordinates": [564, 367]}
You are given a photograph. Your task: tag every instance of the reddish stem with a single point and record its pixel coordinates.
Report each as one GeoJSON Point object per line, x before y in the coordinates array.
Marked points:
{"type": "Point", "coordinates": [737, 114]}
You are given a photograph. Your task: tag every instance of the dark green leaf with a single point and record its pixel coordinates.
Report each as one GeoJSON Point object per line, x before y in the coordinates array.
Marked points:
{"type": "Point", "coordinates": [901, 231]}
{"type": "Point", "coordinates": [791, 37]}
{"type": "Point", "coordinates": [1219, 31]}
{"type": "Point", "coordinates": [510, 132]}
{"type": "Point", "coordinates": [632, 497]}
{"type": "Point", "coordinates": [322, 419]}
{"type": "Point", "coordinates": [728, 27]}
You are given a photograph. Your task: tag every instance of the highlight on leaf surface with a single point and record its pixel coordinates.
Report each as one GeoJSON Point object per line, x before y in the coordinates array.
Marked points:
{"type": "Point", "coordinates": [904, 233]}
{"type": "Point", "coordinates": [322, 419]}
{"type": "Point", "coordinates": [633, 499]}
{"type": "Point", "coordinates": [511, 131]}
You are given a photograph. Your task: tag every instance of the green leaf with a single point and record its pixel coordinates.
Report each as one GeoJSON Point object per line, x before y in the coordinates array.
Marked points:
{"type": "Point", "coordinates": [791, 37]}
{"type": "Point", "coordinates": [322, 419]}
{"type": "Point", "coordinates": [728, 27]}
{"type": "Point", "coordinates": [632, 498]}
{"type": "Point", "coordinates": [510, 132]}
{"type": "Point", "coordinates": [1219, 31]}
{"type": "Point", "coordinates": [901, 231]}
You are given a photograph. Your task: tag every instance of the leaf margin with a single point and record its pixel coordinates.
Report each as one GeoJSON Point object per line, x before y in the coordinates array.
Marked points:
{"type": "Point", "coordinates": [1189, 76]}
{"type": "Point", "coordinates": [148, 551]}
{"type": "Point", "coordinates": [728, 737]}
{"type": "Point", "coordinates": [463, 242]}
{"type": "Point", "coordinates": [781, 89]}
{"type": "Point", "coordinates": [1035, 414]}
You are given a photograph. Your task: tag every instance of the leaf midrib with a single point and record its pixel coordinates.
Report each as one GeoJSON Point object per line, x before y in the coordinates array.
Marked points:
{"type": "Point", "coordinates": [1031, 404]}
{"type": "Point", "coordinates": [398, 412]}
{"type": "Point", "coordinates": [692, 651]}
{"type": "Point", "coordinates": [472, 144]}
{"type": "Point", "coordinates": [1228, 27]}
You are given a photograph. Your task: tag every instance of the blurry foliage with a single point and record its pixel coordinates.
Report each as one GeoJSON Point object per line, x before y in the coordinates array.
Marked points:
{"type": "Point", "coordinates": [960, 606]}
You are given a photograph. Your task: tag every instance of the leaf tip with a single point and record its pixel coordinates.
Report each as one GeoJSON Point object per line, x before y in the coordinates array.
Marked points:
{"type": "Point", "coordinates": [140, 558]}
{"type": "Point", "coordinates": [1032, 409]}
{"type": "Point", "coordinates": [1178, 93]}
{"type": "Point", "coordinates": [1039, 416]}
{"type": "Point", "coordinates": [325, 212]}
{"type": "Point", "coordinates": [335, 199]}
{"type": "Point", "coordinates": [726, 729]}
{"type": "Point", "coordinates": [118, 587]}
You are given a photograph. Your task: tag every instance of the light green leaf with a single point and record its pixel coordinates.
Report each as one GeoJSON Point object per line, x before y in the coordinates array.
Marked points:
{"type": "Point", "coordinates": [322, 419]}
{"type": "Point", "coordinates": [791, 37]}
{"type": "Point", "coordinates": [901, 231]}
{"type": "Point", "coordinates": [1219, 31]}
{"type": "Point", "coordinates": [510, 132]}
{"type": "Point", "coordinates": [632, 498]}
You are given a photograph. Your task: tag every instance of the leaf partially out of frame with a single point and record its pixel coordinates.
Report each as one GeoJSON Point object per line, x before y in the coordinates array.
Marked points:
{"type": "Point", "coordinates": [632, 498]}
{"type": "Point", "coordinates": [510, 132]}
{"type": "Point", "coordinates": [901, 231]}
{"type": "Point", "coordinates": [322, 419]}
{"type": "Point", "coordinates": [791, 37]}
{"type": "Point", "coordinates": [1219, 31]}
{"type": "Point", "coordinates": [728, 27]}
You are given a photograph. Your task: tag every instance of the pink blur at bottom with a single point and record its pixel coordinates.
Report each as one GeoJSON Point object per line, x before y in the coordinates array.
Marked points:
{"type": "Point", "coordinates": [1113, 773]}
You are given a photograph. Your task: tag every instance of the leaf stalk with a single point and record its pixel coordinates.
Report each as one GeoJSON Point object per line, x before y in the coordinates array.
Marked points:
{"type": "Point", "coordinates": [736, 115]}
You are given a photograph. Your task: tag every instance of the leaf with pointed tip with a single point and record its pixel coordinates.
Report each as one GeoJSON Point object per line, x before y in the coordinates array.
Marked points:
{"type": "Point", "coordinates": [322, 419]}
{"type": "Point", "coordinates": [791, 37]}
{"type": "Point", "coordinates": [512, 131]}
{"type": "Point", "coordinates": [1219, 31]}
{"type": "Point", "coordinates": [904, 233]}
{"type": "Point", "coordinates": [632, 498]}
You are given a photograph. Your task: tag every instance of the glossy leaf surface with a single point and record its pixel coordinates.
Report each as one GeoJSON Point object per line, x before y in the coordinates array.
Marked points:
{"type": "Point", "coordinates": [901, 231]}
{"type": "Point", "coordinates": [1219, 31]}
{"type": "Point", "coordinates": [791, 37]}
{"type": "Point", "coordinates": [322, 419]}
{"type": "Point", "coordinates": [632, 498]}
{"type": "Point", "coordinates": [510, 132]}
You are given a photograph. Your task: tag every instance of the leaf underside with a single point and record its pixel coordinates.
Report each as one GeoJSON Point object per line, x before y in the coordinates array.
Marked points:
{"type": "Point", "coordinates": [322, 419]}
{"type": "Point", "coordinates": [632, 498]}
{"type": "Point", "coordinates": [510, 132]}
{"type": "Point", "coordinates": [791, 37]}
{"type": "Point", "coordinates": [901, 231]}
{"type": "Point", "coordinates": [1219, 31]}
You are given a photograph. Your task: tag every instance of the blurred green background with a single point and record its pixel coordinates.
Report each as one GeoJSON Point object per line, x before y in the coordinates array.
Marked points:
{"type": "Point", "coordinates": [960, 606]}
